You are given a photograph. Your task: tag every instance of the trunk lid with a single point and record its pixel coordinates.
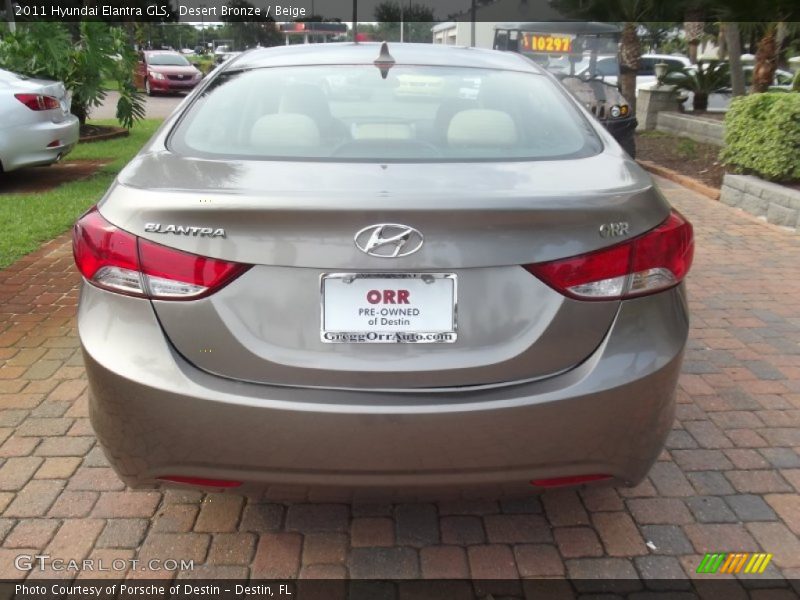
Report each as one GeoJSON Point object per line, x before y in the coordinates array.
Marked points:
{"type": "Point", "coordinates": [296, 222]}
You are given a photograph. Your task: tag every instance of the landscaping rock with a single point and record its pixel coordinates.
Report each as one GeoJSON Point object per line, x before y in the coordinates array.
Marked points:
{"type": "Point", "coordinates": [778, 203]}
{"type": "Point", "coordinates": [700, 129]}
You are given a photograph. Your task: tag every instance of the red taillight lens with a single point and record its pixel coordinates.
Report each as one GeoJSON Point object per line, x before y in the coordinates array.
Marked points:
{"type": "Point", "coordinates": [38, 101]}
{"type": "Point", "coordinates": [106, 256]}
{"type": "Point", "coordinates": [201, 482]}
{"type": "Point", "coordinates": [116, 260]}
{"type": "Point", "coordinates": [654, 261]}
{"type": "Point", "coordinates": [566, 481]}
{"type": "Point", "coordinates": [172, 274]}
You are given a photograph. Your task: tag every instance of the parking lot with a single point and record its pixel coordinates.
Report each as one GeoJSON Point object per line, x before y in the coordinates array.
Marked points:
{"type": "Point", "coordinates": [727, 482]}
{"type": "Point", "coordinates": [156, 107]}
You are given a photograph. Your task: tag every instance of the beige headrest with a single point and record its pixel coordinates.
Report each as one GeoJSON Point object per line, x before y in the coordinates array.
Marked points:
{"type": "Point", "coordinates": [285, 129]}
{"type": "Point", "coordinates": [481, 127]}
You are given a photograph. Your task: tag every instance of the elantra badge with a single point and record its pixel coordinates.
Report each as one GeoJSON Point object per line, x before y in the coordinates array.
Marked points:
{"type": "Point", "coordinates": [185, 230]}
{"type": "Point", "coordinates": [389, 240]}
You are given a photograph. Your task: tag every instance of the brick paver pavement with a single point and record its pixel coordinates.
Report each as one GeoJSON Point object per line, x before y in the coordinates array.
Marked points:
{"type": "Point", "coordinates": [728, 480]}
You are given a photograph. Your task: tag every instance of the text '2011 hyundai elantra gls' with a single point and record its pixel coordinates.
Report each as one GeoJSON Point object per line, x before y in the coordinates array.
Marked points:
{"type": "Point", "coordinates": [467, 289]}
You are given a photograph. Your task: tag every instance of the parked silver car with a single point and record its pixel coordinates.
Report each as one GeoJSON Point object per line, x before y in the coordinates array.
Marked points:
{"type": "Point", "coordinates": [397, 296]}
{"type": "Point", "coordinates": [36, 126]}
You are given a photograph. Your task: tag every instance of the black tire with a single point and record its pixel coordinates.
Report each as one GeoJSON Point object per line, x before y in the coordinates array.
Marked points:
{"type": "Point", "coordinates": [629, 145]}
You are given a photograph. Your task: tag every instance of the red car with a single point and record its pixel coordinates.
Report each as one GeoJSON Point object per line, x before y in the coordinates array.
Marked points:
{"type": "Point", "coordinates": [165, 71]}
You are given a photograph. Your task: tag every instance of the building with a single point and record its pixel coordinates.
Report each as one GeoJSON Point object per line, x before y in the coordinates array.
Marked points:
{"type": "Point", "coordinates": [458, 33]}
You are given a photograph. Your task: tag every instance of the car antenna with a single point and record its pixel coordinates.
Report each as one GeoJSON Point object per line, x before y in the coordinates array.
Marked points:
{"type": "Point", "coordinates": [385, 61]}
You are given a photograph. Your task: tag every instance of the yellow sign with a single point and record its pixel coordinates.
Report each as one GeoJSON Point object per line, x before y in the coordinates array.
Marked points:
{"type": "Point", "coordinates": [547, 43]}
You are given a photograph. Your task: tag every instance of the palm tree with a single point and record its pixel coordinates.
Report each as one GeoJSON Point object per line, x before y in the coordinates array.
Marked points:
{"type": "Point", "coordinates": [773, 36]}
{"type": "Point", "coordinates": [630, 51]}
{"type": "Point", "coordinates": [702, 80]}
{"type": "Point", "coordinates": [733, 41]}
{"type": "Point", "coordinates": [693, 30]}
{"type": "Point", "coordinates": [766, 59]}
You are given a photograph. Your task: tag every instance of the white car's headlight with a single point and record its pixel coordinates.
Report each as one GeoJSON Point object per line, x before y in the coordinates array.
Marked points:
{"type": "Point", "coordinates": [155, 75]}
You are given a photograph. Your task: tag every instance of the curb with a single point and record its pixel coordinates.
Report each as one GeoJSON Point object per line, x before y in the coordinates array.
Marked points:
{"type": "Point", "coordinates": [117, 133]}
{"type": "Point", "coordinates": [688, 182]}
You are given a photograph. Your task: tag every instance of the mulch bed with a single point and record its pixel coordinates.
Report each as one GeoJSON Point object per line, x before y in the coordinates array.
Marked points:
{"type": "Point", "coordinates": [41, 179]}
{"type": "Point", "coordinates": [687, 157]}
{"type": "Point", "coordinates": [98, 133]}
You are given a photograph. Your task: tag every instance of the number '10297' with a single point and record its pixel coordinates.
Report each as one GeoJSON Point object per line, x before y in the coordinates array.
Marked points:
{"type": "Point", "coordinates": [31, 11]}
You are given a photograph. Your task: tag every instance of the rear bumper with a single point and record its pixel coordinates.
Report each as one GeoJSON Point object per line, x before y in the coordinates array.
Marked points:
{"type": "Point", "coordinates": [157, 415]}
{"type": "Point", "coordinates": [27, 145]}
{"type": "Point", "coordinates": [169, 85]}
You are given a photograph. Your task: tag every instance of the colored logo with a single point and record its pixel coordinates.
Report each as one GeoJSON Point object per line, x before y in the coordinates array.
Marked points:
{"type": "Point", "coordinates": [734, 562]}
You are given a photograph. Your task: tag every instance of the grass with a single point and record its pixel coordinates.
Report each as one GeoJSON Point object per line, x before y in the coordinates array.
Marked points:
{"type": "Point", "coordinates": [110, 85]}
{"type": "Point", "coordinates": [654, 133]}
{"type": "Point", "coordinates": [204, 63]}
{"type": "Point", "coordinates": [687, 148]}
{"type": "Point", "coordinates": [28, 220]}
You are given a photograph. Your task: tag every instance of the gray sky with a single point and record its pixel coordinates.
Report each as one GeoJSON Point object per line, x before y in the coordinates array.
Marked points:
{"type": "Point", "coordinates": [342, 9]}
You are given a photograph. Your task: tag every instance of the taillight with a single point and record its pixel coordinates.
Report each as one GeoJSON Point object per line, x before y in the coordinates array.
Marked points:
{"type": "Point", "coordinates": [568, 481]}
{"type": "Point", "coordinates": [116, 260]}
{"type": "Point", "coordinates": [38, 101]}
{"type": "Point", "coordinates": [201, 481]}
{"type": "Point", "coordinates": [654, 261]}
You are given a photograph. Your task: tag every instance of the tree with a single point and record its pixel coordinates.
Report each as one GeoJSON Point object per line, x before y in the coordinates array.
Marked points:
{"type": "Point", "coordinates": [47, 50]}
{"type": "Point", "coordinates": [693, 30]}
{"type": "Point", "coordinates": [658, 33]}
{"type": "Point", "coordinates": [733, 42]}
{"type": "Point", "coordinates": [772, 36]}
{"type": "Point", "coordinates": [766, 59]}
{"type": "Point", "coordinates": [630, 51]}
{"type": "Point", "coordinates": [247, 33]}
{"type": "Point", "coordinates": [417, 20]}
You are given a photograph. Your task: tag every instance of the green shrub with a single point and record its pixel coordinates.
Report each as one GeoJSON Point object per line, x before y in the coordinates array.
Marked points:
{"type": "Point", "coordinates": [762, 136]}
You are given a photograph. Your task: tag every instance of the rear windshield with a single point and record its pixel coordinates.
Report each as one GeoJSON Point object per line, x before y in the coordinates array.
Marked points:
{"type": "Point", "coordinates": [171, 60]}
{"type": "Point", "coordinates": [351, 113]}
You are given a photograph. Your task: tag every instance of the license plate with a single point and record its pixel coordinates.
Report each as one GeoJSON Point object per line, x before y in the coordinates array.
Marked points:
{"type": "Point", "coordinates": [388, 308]}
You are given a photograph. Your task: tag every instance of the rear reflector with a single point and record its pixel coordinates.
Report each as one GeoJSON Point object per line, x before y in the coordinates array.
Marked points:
{"type": "Point", "coordinates": [118, 261]}
{"type": "Point", "coordinates": [38, 101]}
{"type": "Point", "coordinates": [652, 262]}
{"type": "Point", "coordinates": [572, 480]}
{"type": "Point", "coordinates": [201, 482]}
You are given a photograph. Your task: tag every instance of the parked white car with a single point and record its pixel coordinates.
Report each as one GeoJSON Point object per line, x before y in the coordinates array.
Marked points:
{"type": "Point", "coordinates": [36, 126]}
